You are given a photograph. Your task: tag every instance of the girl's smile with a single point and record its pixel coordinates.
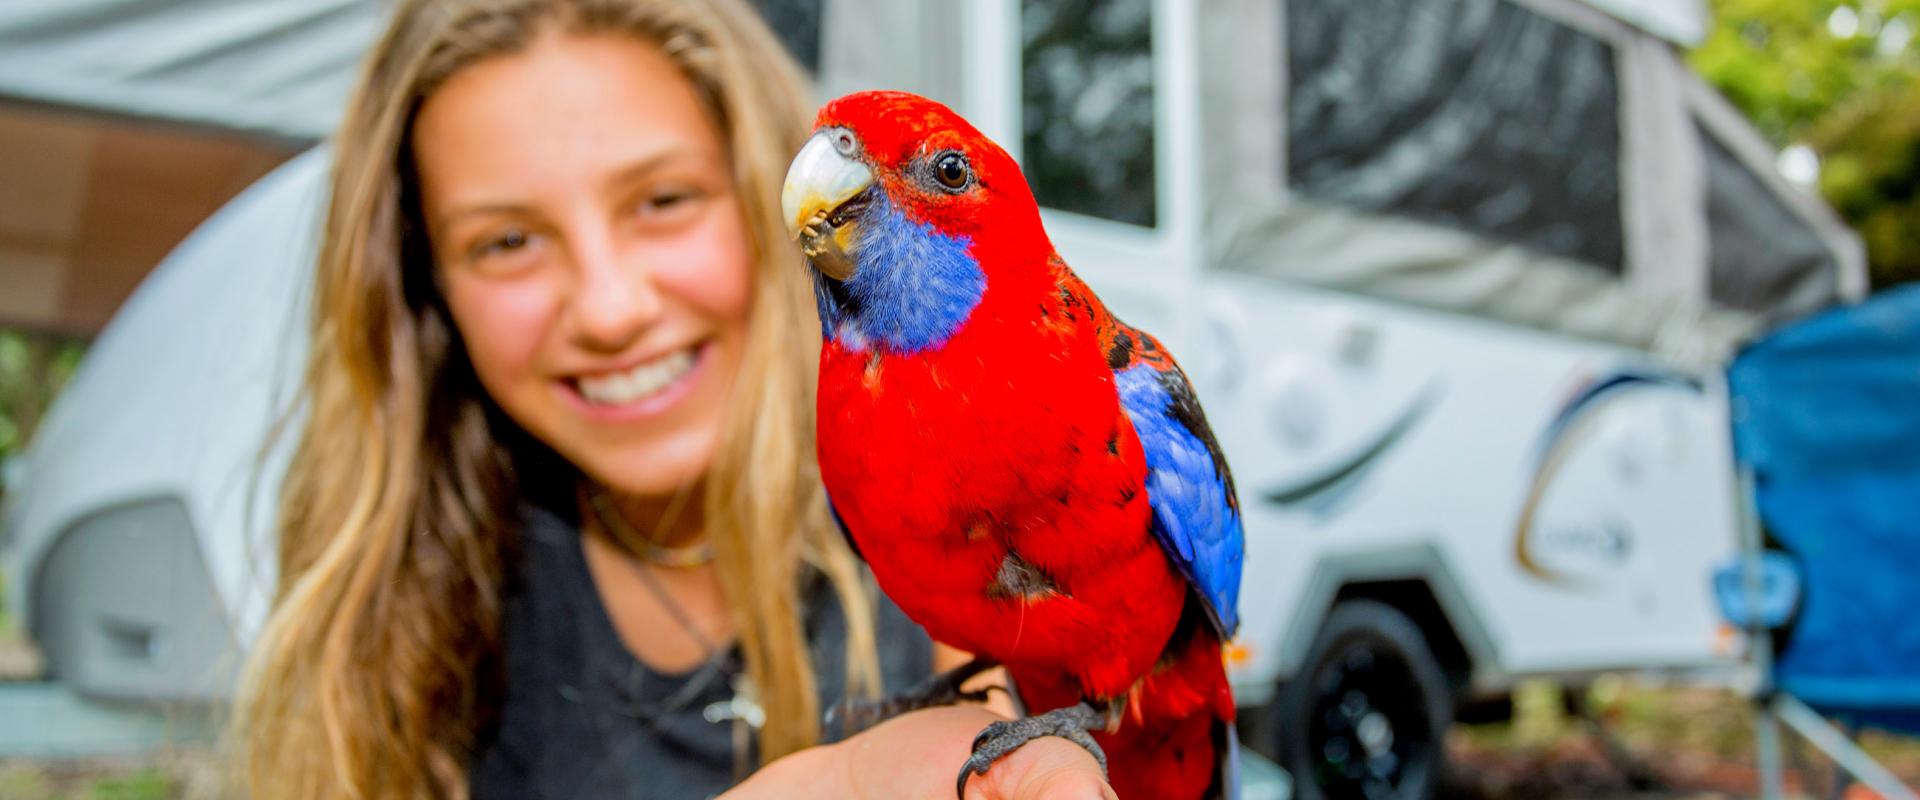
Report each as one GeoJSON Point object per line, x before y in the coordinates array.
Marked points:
{"type": "Point", "coordinates": [648, 387]}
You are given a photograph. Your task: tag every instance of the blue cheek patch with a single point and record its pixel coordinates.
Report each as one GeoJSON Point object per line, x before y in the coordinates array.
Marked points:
{"type": "Point", "coordinates": [912, 285]}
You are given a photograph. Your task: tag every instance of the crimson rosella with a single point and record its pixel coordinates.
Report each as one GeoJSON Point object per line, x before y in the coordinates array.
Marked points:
{"type": "Point", "coordinates": [1028, 477]}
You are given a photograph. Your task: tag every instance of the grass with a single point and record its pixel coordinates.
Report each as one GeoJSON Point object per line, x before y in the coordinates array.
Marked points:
{"type": "Point", "coordinates": [146, 784]}
{"type": "Point", "coordinates": [27, 780]}
{"type": "Point", "coordinates": [156, 777]}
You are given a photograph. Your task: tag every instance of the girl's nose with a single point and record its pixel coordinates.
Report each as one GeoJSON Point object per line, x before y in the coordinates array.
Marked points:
{"type": "Point", "coordinates": [614, 298]}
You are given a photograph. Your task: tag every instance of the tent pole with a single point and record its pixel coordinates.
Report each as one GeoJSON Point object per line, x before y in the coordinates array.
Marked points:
{"type": "Point", "coordinates": [1837, 746]}
{"type": "Point", "coordinates": [1766, 739]}
{"type": "Point", "coordinates": [1766, 734]}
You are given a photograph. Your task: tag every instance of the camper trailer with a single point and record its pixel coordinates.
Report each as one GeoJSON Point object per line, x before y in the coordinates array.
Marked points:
{"type": "Point", "coordinates": [1454, 279]}
{"type": "Point", "coordinates": [1456, 282]}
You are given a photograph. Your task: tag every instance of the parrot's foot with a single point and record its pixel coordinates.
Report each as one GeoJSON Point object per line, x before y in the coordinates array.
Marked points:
{"type": "Point", "coordinates": [1071, 723]}
{"type": "Point", "coordinates": [944, 689]}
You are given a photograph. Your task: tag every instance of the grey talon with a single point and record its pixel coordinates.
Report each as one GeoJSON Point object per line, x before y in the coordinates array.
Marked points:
{"type": "Point", "coordinates": [1001, 738]}
{"type": "Point", "coordinates": [967, 771]}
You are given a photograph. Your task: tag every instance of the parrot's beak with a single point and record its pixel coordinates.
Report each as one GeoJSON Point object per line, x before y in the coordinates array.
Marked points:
{"type": "Point", "coordinates": [825, 190]}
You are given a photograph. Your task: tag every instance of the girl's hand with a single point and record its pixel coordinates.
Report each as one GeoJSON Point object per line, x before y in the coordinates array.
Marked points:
{"type": "Point", "coordinates": [918, 755]}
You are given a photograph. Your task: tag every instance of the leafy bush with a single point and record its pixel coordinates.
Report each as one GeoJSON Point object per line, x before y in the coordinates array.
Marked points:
{"type": "Point", "coordinates": [33, 367]}
{"type": "Point", "coordinates": [1840, 77]}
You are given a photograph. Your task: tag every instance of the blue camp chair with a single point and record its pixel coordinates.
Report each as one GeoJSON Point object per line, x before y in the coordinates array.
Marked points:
{"type": "Point", "coordinates": [1826, 416]}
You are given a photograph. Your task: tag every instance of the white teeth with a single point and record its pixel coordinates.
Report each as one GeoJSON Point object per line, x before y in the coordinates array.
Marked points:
{"type": "Point", "coordinates": [621, 388]}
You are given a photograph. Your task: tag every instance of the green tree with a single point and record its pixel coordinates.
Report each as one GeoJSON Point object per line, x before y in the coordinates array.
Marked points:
{"type": "Point", "coordinates": [33, 367]}
{"type": "Point", "coordinates": [1838, 76]}
{"type": "Point", "coordinates": [1872, 176]}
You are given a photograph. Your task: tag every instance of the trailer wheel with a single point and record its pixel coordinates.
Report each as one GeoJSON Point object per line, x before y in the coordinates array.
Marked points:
{"type": "Point", "coordinates": [1367, 715]}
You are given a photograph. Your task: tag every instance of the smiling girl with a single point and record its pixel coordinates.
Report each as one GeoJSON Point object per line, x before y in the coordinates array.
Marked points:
{"type": "Point", "coordinates": [553, 526]}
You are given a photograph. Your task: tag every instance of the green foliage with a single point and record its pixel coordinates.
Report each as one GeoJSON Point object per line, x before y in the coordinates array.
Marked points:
{"type": "Point", "coordinates": [48, 780]}
{"type": "Point", "coordinates": [1872, 176]}
{"type": "Point", "coordinates": [33, 367]}
{"type": "Point", "coordinates": [148, 784]}
{"type": "Point", "coordinates": [1840, 77]}
{"type": "Point", "coordinates": [1782, 62]}
{"type": "Point", "coordinates": [143, 777]}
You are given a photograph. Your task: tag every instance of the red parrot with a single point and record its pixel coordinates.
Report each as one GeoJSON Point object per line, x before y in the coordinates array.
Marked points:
{"type": "Point", "coordinates": [1029, 478]}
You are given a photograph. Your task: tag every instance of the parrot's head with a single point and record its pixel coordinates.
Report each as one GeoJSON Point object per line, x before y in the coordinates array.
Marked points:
{"type": "Point", "coordinates": [898, 203]}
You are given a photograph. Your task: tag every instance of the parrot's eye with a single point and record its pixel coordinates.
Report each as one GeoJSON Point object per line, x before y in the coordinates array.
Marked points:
{"type": "Point", "coordinates": [951, 170]}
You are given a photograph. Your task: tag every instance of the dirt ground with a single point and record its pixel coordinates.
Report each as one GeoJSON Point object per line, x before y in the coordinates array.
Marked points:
{"type": "Point", "coordinates": [1688, 743]}
{"type": "Point", "coordinates": [1671, 743]}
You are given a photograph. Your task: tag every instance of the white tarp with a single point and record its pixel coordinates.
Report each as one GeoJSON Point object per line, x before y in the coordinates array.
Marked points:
{"type": "Point", "coordinates": [279, 67]}
{"type": "Point", "coordinates": [1679, 21]}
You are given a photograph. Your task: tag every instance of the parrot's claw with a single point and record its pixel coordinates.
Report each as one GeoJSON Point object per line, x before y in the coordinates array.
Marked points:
{"type": "Point", "coordinates": [997, 740]}
{"type": "Point", "coordinates": [944, 689]}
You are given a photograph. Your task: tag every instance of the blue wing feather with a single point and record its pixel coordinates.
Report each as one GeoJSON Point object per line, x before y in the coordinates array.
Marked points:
{"type": "Point", "coordinates": [1196, 517]}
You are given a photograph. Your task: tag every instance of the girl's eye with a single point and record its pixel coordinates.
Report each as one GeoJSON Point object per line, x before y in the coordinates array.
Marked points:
{"type": "Point", "coordinates": [666, 200]}
{"type": "Point", "coordinates": [505, 252]}
{"type": "Point", "coordinates": [504, 243]}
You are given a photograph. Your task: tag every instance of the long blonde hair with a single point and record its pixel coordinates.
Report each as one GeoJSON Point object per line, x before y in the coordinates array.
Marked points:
{"type": "Point", "coordinates": [396, 520]}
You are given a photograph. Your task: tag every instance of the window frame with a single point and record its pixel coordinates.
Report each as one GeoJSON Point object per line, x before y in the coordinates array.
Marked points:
{"type": "Point", "coordinates": [1629, 109]}
{"type": "Point", "coordinates": [1158, 262]}
{"type": "Point", "coordinates": [1715, 115]}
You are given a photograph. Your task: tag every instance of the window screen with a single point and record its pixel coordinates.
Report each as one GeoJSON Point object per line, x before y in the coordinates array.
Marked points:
{"type": "Point", "coordinates": [797, 23]}
{"type": "Point", "coordinates": [1475, 114]}
{"type": "Point", "coordinates": [1087, 106]}
{"type": "Point", "coordinates": [1759, 251]}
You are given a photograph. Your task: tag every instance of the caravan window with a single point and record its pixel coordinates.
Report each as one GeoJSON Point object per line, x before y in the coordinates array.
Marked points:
{"type": "Point", "coordinates": [1759, 250]}
{"type": "Point", "coordinates": [1479, 115]}
{"type": "Point", "coordinates": [1087, 106]}
{"type": "Point", "coordinates": [797, 23]}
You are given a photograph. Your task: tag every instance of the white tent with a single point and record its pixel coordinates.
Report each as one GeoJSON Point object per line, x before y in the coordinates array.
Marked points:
{"type": "Point", "coordinates": [1679, 21]}
{"type": "Point", "coordinates": [137, 532]}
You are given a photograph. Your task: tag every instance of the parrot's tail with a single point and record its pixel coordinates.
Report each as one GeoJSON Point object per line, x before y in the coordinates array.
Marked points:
{"type": "Point", "coordinates": [1177, 740]}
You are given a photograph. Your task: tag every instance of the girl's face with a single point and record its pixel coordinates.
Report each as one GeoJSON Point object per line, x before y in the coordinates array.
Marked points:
{"type": "Point", "coordinates": [587, 238]}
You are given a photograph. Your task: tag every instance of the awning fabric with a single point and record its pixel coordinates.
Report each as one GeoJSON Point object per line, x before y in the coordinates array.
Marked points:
{"type": "Point", "coordinates": [277, 67]}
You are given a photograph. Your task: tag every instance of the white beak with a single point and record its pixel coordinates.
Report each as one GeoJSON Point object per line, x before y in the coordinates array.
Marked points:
{"type": "Point", "coordinates": [823, 177]}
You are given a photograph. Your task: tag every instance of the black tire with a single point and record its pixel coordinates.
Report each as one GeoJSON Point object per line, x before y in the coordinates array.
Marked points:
{"type": "Point", "coordinates": [1369, 687]}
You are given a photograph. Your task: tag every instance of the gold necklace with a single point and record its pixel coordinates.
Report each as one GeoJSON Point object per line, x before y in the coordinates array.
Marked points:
{"type": "Point", "coordinates": [693, 555]}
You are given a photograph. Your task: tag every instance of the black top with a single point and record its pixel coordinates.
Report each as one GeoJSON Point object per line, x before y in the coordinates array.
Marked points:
{"type": "Point", "coordinates": [582, 718]}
